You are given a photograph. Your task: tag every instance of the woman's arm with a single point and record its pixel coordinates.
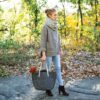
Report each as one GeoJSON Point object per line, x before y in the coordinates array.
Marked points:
{"type": "Point", "coordinates": [60, 48]}
{"type": "Point", "coordinates": [43, 43]}
{"type": "Point", "coordinates": [59, 41]}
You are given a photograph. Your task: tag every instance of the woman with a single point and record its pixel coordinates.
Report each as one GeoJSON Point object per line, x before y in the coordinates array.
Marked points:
{"type": "Point", "coordinates": [51, 48]}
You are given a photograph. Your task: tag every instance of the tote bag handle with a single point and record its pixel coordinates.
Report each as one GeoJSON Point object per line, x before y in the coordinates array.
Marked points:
{"type": "Point", "coordinates": [41, 65]}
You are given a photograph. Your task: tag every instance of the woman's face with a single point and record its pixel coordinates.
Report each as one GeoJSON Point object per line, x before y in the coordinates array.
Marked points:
{"type": "Point", "coordinates": [53, 16]}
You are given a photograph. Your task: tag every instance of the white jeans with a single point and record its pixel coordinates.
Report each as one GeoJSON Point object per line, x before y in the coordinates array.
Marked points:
{"type": "Point", "coordinates": [57, 64]}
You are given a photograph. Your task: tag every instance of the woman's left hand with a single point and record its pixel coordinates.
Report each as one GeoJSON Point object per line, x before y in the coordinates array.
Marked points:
{"type": "Point", "coordinates": [61, 52]}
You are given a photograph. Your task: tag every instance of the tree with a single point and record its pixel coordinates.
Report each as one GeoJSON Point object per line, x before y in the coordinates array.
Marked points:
{"type": "Point", "coordinates": [34, 9]}
{"type": "Point", "coordinates": [64, 15]}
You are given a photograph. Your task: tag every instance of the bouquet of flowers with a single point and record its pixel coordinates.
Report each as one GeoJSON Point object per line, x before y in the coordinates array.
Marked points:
{"type": "Point", "coordinates": [33, 69]}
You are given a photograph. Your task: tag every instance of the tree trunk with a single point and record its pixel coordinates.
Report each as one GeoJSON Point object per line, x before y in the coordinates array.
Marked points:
{"type": "Point", "coordinates": [96, 18]}
{"type": "Point", "coordinates": [81, 16]}
{"type": "Point", "coordinates": [36, 15]}
{"type": "Point", "coordinates": [77, 25]}
{"type": "Point", "coordinates": [64, 18]}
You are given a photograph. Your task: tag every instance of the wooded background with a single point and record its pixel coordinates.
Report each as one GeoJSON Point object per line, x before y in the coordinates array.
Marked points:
{"type": "Point", "coordinates": [20, 30]}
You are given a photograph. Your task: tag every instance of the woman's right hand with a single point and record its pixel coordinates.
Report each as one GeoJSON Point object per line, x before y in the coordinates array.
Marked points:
{"type": "Point", "coordinates": [43, 58]}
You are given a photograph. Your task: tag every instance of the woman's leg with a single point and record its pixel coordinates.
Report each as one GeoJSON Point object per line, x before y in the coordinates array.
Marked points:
{"type": "Point", "coordinates": [48, 62]}
{"type": "Point", "coordinates": [57, 64]}
{"type": "Point", "coordinates": [61, 88]}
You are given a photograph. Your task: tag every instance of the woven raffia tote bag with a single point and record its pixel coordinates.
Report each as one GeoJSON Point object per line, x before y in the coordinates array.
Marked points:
{"type": "Point", "coordinates": [44, 79]}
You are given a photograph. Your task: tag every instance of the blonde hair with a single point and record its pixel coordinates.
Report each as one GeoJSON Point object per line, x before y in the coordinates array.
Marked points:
{"type": "Point", "coordinates": [49, 11]}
